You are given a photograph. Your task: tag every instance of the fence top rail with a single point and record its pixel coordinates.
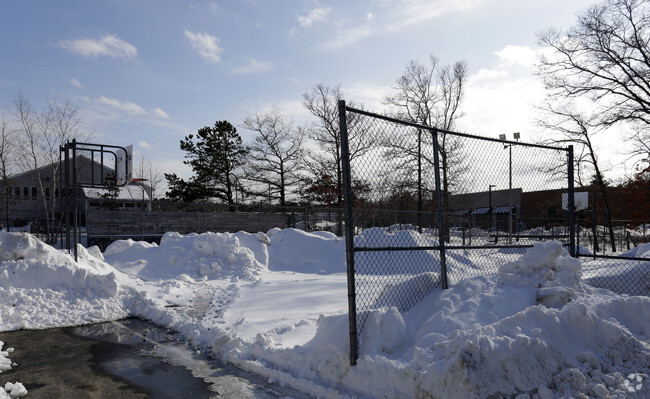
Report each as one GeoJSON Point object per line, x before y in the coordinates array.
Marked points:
{"type": "Point", "coordinates": [466, 135]}
{"type": "Point", "coordinates": [614, 257]}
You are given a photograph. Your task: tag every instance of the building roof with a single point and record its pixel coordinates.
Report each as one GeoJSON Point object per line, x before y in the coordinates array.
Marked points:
{"type": "Point", "coordinates": [480, 211]}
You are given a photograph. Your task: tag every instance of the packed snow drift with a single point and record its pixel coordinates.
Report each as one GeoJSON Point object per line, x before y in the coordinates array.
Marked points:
{"type": "Point", "coordinates": [275, 303]}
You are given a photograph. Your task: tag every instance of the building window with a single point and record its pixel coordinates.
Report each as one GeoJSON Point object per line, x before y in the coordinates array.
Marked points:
{"type": "Point", "coordinates": [34, 193]}
{"type": "Point", "coordinates": [17, 192]}
{"type": "Point", "coordinates": [47, 192]}
{"type": "Point", "coordinates": [26, 192]}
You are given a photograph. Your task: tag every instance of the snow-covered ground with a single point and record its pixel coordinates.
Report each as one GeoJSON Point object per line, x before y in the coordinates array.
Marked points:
{"type": "Point", "coordinates": [275, 303]}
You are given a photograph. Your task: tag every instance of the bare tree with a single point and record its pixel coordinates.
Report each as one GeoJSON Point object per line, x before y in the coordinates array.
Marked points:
{"type": "Point", "coordinates": [430, 96]}
{"type": "Point", "coordinates": [322, 102]}
{"type": "Point", "coordinates": [7, 157]}
{"type": "Point", "coordinates": [41, 136]}
{"type": "Point", "coordinates": [604, 57]}
{"type": "Point", "coordinates": [578, 129]}
{"type": "Point", "coordinates": [276, 156]}
{"type": "Point", "coordinates": [152, 177]}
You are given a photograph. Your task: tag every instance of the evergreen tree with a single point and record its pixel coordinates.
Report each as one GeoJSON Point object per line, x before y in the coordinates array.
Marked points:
{"type": "Point", "coordinates": [186, 191]}
{"type": "Point", "coordinates": [215, 155]}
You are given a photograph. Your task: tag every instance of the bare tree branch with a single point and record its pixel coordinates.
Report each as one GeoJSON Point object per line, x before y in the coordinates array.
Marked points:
{"type": "Point", "coordinates": [605, 58]}
{"type": "Point", "coordinates": [276, 156]}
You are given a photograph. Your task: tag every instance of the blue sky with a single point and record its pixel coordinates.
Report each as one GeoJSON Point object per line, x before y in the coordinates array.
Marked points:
{"type": "Point", "coordinates": [149, 72]}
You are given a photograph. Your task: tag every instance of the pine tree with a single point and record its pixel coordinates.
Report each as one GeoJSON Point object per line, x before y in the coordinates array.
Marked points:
{"type": "Point", "coordinates": [215, 155]}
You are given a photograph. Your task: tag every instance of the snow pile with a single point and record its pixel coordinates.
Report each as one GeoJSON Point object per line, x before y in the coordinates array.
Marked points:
{"type": "Point", "coordinates": [376, 237]}
{"type": "Point", "coordinates": [294, 250]}
{"type": "Point", "coordinates": [5, 362]}
{"type": "Point", "coordinates": [275, 303]}
{"type": "Point", "coordinates": [29, 263]}
{"type": "Point", "coordinates": [207, 255]}
{"type": "Point", "coordinates": [11, 390]}
{"type": "Point", "coordinates": [642, 251]}
{"type": "Point", "coordinates": [533, 330]}
{"type": "Point", "coordinates": [43, 287]}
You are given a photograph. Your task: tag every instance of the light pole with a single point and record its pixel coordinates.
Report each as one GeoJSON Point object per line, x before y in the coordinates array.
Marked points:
{"type": "Point", "coordinates": [509, 147]}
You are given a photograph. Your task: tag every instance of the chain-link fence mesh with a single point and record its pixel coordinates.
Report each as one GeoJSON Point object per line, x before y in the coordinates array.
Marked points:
{"type": "Point", "coordinates": [494, 198]}
{"type": "Point", "coordinates": [631, 228]}
{"type": "Point", "coordinates": [623, 275]}
{"type": "Point", "coordinates": [430, 207]}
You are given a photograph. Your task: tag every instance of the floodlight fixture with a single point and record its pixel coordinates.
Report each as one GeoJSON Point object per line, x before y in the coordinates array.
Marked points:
{"type": "Point", "coordinates": [502, 137]}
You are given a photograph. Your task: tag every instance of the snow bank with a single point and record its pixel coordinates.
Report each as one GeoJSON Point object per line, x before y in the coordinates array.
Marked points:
{"type": "Point", "coordinates": [642, 251]}
{"type": "Point", "coordinates": [533, 330]}
{"type": "Point", "coordinates": [206, 255]}
{"type": "Point", "coordinates": [43, 287]}
{"type": "Point", "coordinates": [302, 252]}
{"type": "Point", "coordinates": [29, 263]}
{"type": "Point", "coordinates": [275, 303]}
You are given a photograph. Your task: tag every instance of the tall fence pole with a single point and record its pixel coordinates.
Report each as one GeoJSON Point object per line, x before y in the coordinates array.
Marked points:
{"type": "Point", "coordinates": [63, 192]}
{"type": "Point", "coordinates": [74, 198]}
{"type": "Point", "coordinates": [349, 233]}
{"type": "Point", "coordinates": [571, 204]}
{"type": "Point", "coordinates": [441, 215]}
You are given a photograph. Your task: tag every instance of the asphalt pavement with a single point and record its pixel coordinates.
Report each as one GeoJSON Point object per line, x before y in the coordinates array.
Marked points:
{"type": "Point", "coordinates": [123, 360]}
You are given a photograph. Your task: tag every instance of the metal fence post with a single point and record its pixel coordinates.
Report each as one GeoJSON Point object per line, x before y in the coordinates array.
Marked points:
{"type": "Point", "coordinates": [63, 192]}
{"type": "Point", "coordinates": [74, 197]}
{"type": "Point", "coordinates": [349, 233]}
{"type": "Point", "coordinates": [440, 211]}
{"type": "Point", "coordinates": [571, 204]}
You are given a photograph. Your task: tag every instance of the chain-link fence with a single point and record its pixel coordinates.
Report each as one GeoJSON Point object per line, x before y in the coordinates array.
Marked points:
{"type": "Point", "coordinates": [429, 207]}
{"type": "Point", "coordinates": [629, 230]}
{"type": "Point", "coordinates": [621, 274]}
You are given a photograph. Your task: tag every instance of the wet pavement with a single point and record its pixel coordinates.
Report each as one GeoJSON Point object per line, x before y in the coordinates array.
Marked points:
{"type": "Point", "coordinates": [125, 359]}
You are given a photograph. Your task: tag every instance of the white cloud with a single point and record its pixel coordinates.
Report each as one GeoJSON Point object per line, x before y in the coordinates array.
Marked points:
{"type": "Point", "coordinates": [144, 145]}
{"type": "Point", "coordinates": [371, 95]}
{"type": "Point", "coordinates": [315, 15]}
{"type": "Point", "coordinates": [501, 98]}
{"type": "Point", "coordinates": [401, 14]}
{"type": "Point", "coordinates": [160, 113]}
{"type": "Point", "coordinates": [127, 106]}
{"type": "Point", "coordinates": [347, 37]}
{"type": "Point", "coordinates": [109, 45]}
{"type": "Point", "coordinates": [76, 83]}
{"type": "Point", "coordinates": [207, 46]}
{"type": "Point", "coordinates": [517, 55]}
{"type": "Point", "coordinates": [485, 74]}
{"type": "Point", "coordinates": [411, 12]}
{"type": "Point", "coordinates": [253, 66]}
